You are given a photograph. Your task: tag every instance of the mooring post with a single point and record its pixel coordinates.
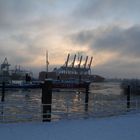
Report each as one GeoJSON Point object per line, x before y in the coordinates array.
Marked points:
{"type": "Point", "coordinates": [128, 96]}
{"type": "Point", "coordinates": [47, 100]}
{"type": "Point", "coordinates": [86, 96]}
{"type": "Point", "coordinates": [3, 92]}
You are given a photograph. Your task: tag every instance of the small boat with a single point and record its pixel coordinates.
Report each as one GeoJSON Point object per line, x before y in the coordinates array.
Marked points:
{"type": "Point", "coordinates": [24, 85]}
{"type": "Point", "coordinates": [57, 84]}
{"type": "Point", "coordinates": [70, 84]}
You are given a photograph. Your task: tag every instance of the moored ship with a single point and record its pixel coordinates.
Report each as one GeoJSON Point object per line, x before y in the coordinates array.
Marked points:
{"type": "Point", "coordinates": [13, 75]}
{"type": "Point", "coordinates": [77, 70]}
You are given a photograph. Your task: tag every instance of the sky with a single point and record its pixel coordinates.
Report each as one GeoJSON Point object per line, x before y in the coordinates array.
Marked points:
{"type": "Point", "coordinates": [108, 30]}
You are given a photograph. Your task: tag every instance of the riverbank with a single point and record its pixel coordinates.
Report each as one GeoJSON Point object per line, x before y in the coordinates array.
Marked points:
{"type": "Point", "coordinates": [116, 128]}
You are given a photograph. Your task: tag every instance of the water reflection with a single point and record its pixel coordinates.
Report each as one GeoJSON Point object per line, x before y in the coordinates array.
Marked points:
{"type": "Point", "coordinates": [101, 98]}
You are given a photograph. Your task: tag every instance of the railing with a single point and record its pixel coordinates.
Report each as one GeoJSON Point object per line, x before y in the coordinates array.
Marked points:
{"type": "Point", "coordinates": [48, 110]}
{"type": "Point", "coordinates": [16, 112]}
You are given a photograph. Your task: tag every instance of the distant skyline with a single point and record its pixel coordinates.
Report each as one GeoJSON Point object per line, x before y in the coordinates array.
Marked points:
{"type": "Point", "coordinates": [108, 30]}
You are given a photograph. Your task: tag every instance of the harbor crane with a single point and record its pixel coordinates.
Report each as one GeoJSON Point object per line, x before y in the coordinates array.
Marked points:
{"type": "Point", "coordinates": [76, 69]}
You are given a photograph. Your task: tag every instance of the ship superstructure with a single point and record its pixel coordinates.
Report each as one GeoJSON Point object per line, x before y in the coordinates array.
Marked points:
{"type": "Point", "coordinates": [8, 75]}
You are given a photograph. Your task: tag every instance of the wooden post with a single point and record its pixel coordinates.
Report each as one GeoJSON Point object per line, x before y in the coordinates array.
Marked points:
{"type": "Point", "coordinates": [128, 96]}
{"type": "Point", "coordinates": [3, 92]}
{"type": "Point", "coordinates": [86, 96]}
{"type": "Point", "coordinates": [47, 100]}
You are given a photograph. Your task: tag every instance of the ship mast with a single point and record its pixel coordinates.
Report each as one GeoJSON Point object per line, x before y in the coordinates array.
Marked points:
{"type": "Point", "coordinates": [47, 62]}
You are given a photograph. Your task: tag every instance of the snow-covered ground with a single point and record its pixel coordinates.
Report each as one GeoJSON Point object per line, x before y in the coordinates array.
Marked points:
{"type": "Point", "coordinates": [111, 128]}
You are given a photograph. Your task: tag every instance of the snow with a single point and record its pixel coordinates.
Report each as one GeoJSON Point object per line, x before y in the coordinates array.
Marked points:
{"type": "Point", "coordinates": [111, 128]}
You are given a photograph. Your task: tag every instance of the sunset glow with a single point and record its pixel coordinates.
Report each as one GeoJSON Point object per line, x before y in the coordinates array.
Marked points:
{"type": "Point", "coordinates": [107, 30]}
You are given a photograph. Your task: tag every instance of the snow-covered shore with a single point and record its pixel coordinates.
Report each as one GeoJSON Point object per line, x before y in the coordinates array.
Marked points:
{"type": "Point", "coordinates": [112, 128]}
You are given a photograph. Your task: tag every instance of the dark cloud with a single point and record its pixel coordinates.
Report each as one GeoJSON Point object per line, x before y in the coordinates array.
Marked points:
{"type": "Point", "coordinates": [124, 41]}
{"type": "Point", "coordinates": [107, 9]}
{"type": "Point", "coordinates": [15, 14]}
{"type": "Point", "coordinates": [14, 11]}
{"type": "Point", "coordinates": [114, 39]}
{"type": "Point", "coordinates": [119, 69]}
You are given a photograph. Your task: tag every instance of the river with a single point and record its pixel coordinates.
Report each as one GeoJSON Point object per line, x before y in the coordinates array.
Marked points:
{"type": "Point", "coordinates": [103, 98]}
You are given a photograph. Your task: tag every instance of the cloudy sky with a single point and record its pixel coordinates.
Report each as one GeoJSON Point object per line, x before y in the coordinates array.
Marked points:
{"type": "Point", "coordinates": [108, 30]}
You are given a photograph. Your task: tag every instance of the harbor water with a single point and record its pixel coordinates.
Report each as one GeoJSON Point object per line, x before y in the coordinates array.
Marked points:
{"type": "Point", "coordinates": [103, 98]}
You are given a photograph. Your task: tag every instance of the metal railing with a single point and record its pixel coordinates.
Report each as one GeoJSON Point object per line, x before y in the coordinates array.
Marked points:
{"type": "Point", "coordinates": [17, 112]}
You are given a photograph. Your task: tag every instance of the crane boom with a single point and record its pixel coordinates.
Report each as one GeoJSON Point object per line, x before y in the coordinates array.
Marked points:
{"type": "Point", "coordinates": [86, 62]}
{"type": "Point", "coordinates": [67, 60]}
{"type": "Point", "coordinates": [80, 62]}
{"type": "Point", "coordinates": [90, 62]}
{"type": "Point", "coordinates": [74, 61]}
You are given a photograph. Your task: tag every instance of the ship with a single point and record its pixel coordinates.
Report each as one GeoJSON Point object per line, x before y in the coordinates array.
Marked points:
{"type": "Point", "coordinates": [8, 75]}
{"type": "Point", "coordinates": [78, 69]}
{"type": "Point", "coordinates": [74, 74]}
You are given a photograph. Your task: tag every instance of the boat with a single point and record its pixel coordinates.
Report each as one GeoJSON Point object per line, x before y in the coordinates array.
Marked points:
{"type": "Point", "coordinates": [18, 74]}
{"type": "Point", "coordinates": [24, 86]}
{"type": "Point", "coordinates": [77, 74]}
{"type": "Point", "coordinates": [70, 84]}
{"type": "Point", "coordinates": [16, 78]}
{"type": "Point", "coordinates": [77, 69]}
